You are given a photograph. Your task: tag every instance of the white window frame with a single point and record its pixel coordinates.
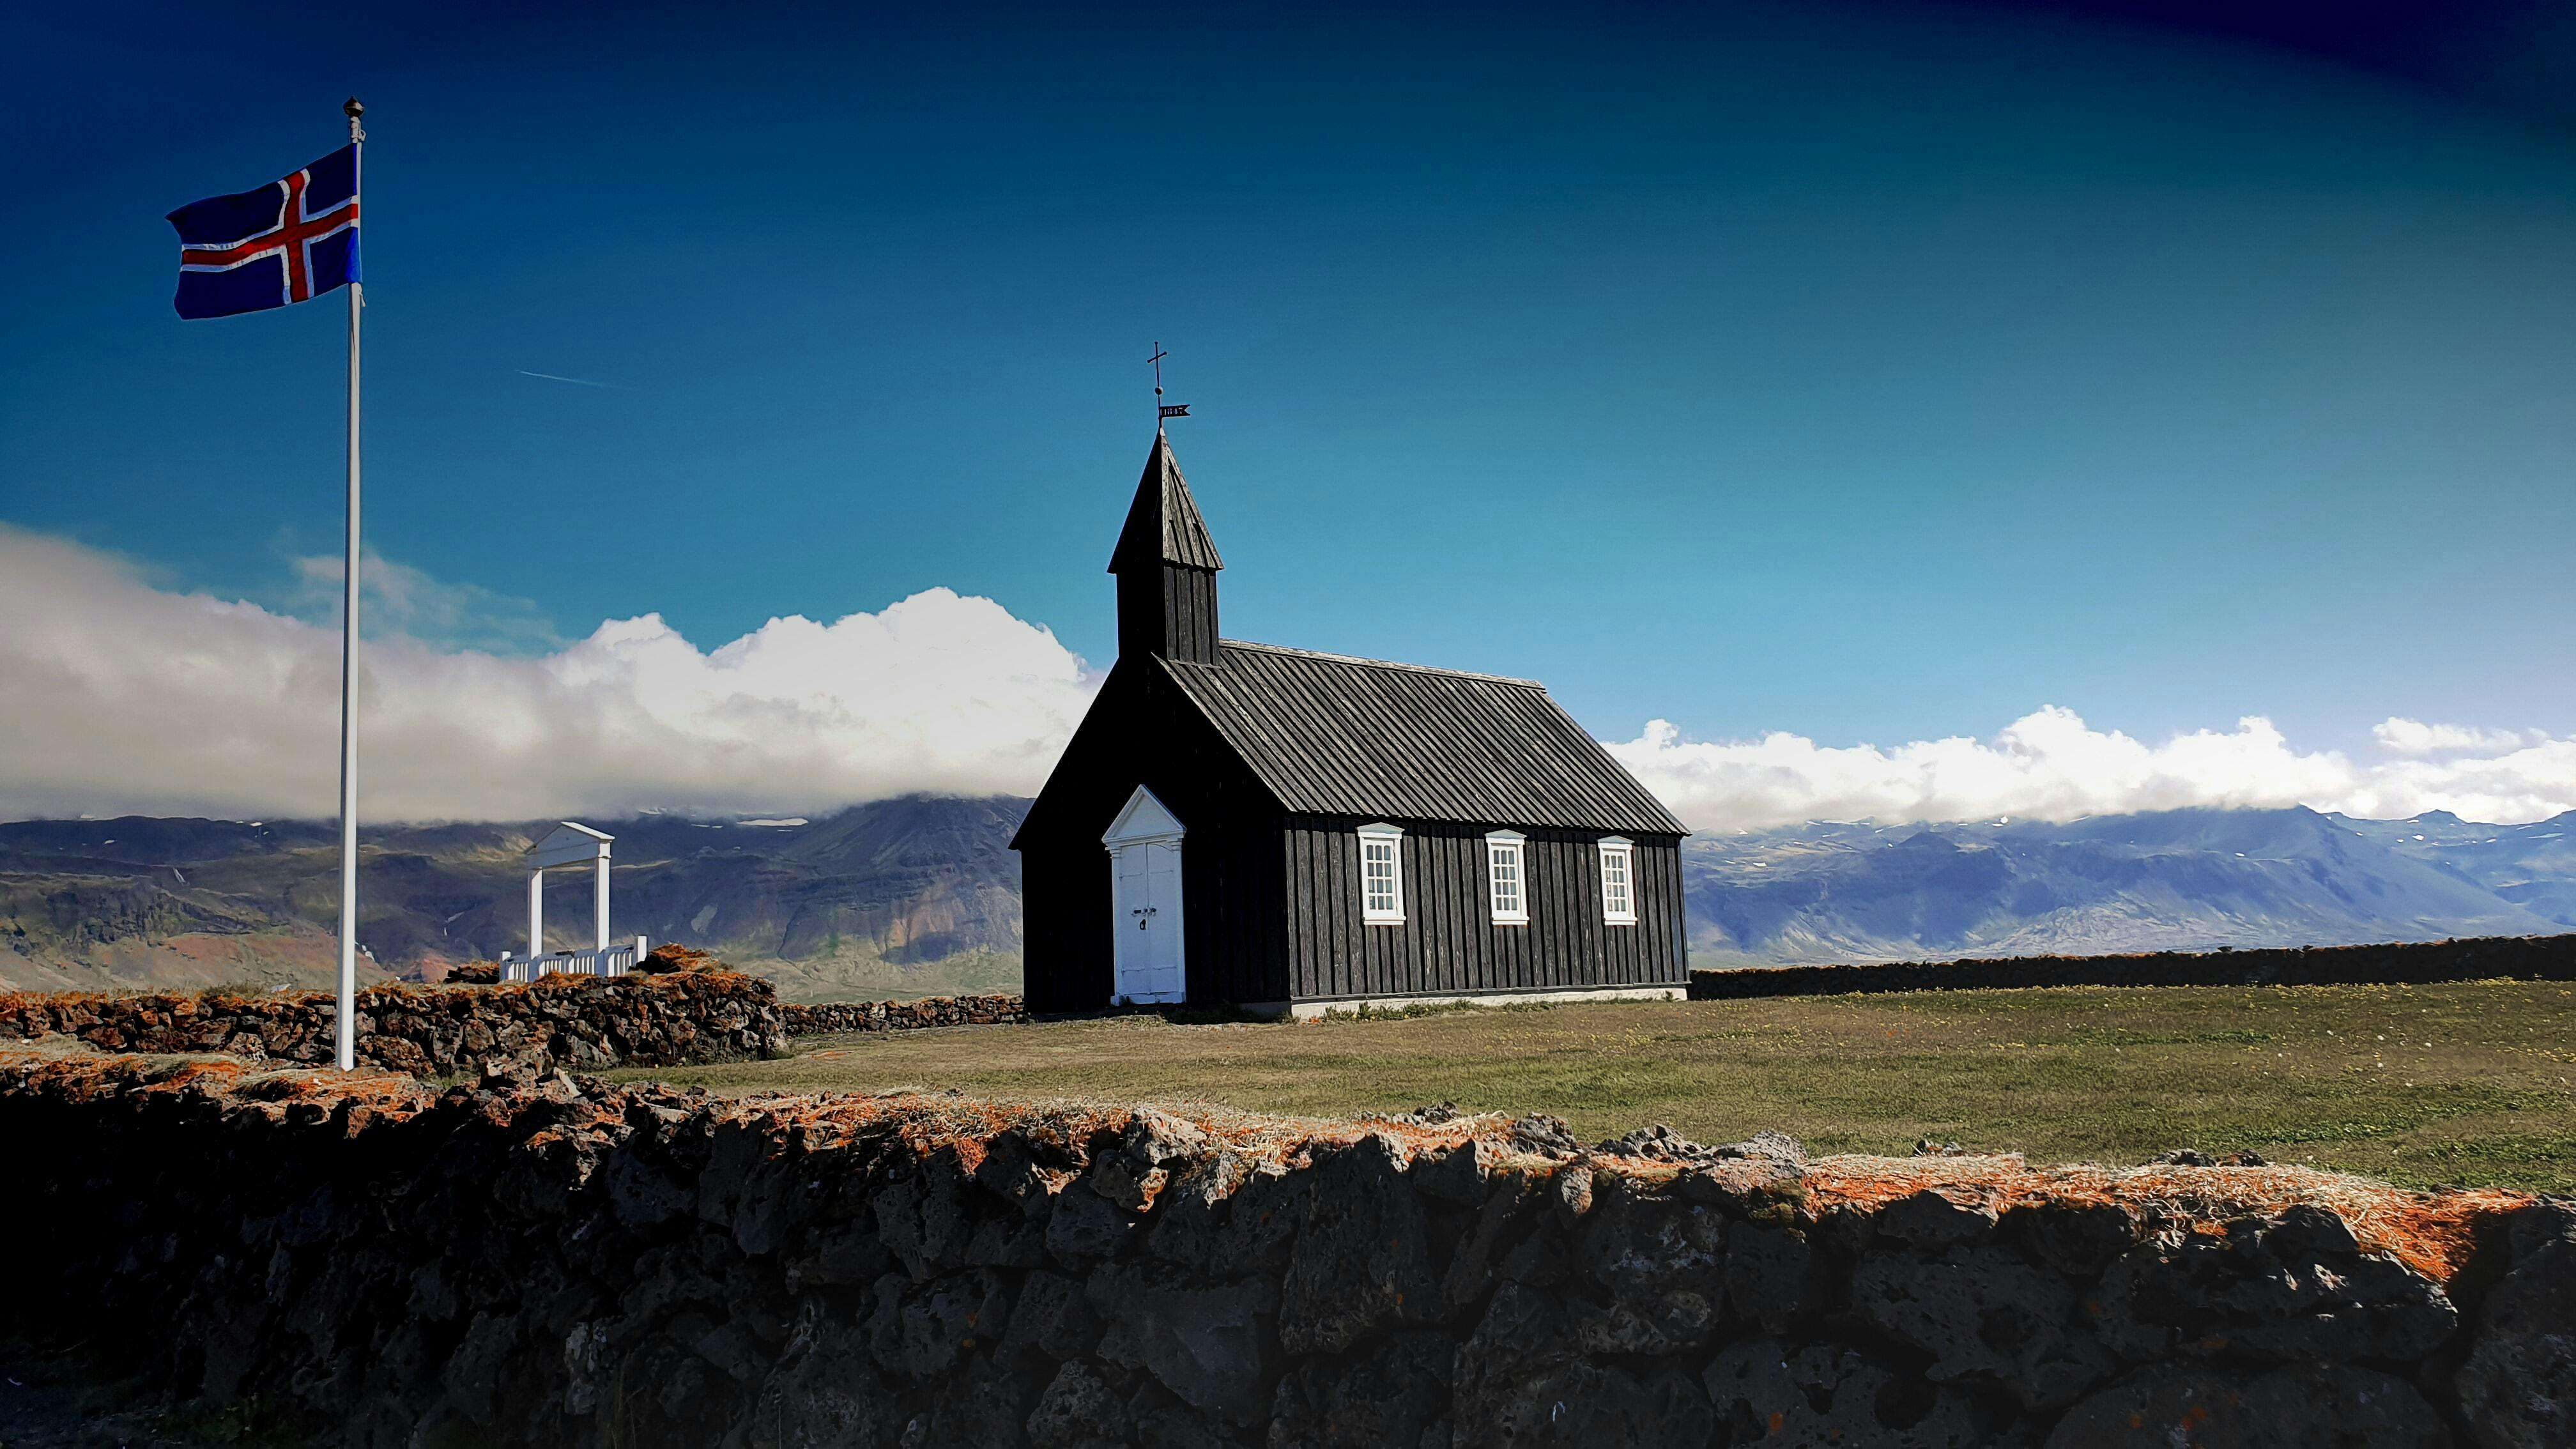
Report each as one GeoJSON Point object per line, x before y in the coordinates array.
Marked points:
{"type": "Point", "coordinates": [1392, 836]}
{"type": "Point", "coordinates": [1498, 845]}
{"type": "Point", "coordinates": [1623, 850]}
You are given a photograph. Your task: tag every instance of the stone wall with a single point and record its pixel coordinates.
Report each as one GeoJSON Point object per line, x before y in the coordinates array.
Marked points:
{"type": "Point", "coordinates": [546, 1261]}
{"type": "Point", "coordinates": [814, 1020]}
{"type": "Point", "coordinates": [583, 1022]}
{"type": "Point", "coordinates": [2485, 958]}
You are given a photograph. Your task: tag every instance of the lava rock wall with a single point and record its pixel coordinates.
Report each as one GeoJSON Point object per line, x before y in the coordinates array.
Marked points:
{"type": "Point", "coordinates": [2405, 963]}
{"type": "Point", "coordinates": [814, 1020]}
{"type": "Point", "coordinates": [585, 1022]}
{"type": "Point", "coordinates": [544, 1261]}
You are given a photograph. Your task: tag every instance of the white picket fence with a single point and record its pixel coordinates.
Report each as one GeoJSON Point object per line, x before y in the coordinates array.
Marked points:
{"type": "Point", "coordinates": [607, 961]}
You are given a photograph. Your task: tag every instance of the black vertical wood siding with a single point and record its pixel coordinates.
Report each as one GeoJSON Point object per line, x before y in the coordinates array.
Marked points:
{"type": "Point", "coordinates": [1448, 944]}
{"type": "Point", "coordinates": [1169, 610]}
{"type": "Point", "coordinates": [1272, 901]}
{"type": "Point", "coordinates": [1274, 914]}
{"type": "Point", "coordinates": [1233, 887]}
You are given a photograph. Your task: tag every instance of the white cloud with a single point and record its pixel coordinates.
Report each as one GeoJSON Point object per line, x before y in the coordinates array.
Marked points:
{"type": "Point", "coordinates": [2401, 736]}
{"type": "Point", "coordinates": [116, 696]}
{"type": "Point", "coordinates": [119, 697]}
{"type": "Point", "coordinates": [2052, 765]}
{"type": "Point", "coordinates": [399, 599]}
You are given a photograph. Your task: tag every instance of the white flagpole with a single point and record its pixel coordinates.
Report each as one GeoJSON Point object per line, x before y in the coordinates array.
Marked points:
{"type": "Point", "coordinates": [348, 1023]}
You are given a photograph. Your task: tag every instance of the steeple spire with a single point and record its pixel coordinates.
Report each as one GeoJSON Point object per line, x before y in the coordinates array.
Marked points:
{"type": "Point", "coordinates": [1166, 566]}
{"type": "Point", "coordinates": [1163, 525]}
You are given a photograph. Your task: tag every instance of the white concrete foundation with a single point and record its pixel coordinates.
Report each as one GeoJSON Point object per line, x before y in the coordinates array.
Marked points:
{"type": "Point", "coordinates": [1309, 1010]}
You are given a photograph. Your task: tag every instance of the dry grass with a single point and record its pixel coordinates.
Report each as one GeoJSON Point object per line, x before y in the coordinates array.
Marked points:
{"type": "Point", "coordinates": [2466, 1083]}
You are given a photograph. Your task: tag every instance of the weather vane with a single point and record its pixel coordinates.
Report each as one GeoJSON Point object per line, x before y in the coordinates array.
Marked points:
{"type": "Point", "coordinates": [1163, 409]}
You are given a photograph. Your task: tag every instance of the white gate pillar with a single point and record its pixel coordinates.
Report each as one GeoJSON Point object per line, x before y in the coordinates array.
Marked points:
{"type": "Point", "coordinates": [537, 912]}
{"type": "Point", "coordinates": [599, 901]}
{"type": "Point", "coordinates": [568, 844]}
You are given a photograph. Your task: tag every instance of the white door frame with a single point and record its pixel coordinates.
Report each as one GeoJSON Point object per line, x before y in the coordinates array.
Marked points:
{"type": "Point", "coordinates": [1145, 825]}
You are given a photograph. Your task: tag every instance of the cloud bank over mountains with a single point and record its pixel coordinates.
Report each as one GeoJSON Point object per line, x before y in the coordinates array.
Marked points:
{"type": "Point", "coordinates": [117, 697]}
{"type": "Point", "coordinates": [2051, 765]}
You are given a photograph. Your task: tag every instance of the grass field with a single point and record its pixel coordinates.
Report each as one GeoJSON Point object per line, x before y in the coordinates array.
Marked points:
{"type": "Point", "coordinates": [2466, 1083]}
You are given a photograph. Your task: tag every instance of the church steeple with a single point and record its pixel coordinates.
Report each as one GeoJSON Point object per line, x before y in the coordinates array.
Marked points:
{"type": "Point", "coordinates": [1166, 566]}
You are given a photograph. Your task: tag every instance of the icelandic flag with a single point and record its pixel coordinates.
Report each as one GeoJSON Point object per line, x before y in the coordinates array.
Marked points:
{"type": "Point", "coordinates": [289, 241]}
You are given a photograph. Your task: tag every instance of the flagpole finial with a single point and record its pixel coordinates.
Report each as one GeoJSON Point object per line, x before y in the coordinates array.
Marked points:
{"type": "Point", "coordinates": [353, 110]}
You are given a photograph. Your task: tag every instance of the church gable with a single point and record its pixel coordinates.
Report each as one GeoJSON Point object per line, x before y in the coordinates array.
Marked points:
{"type": "Point", "coordinates": [1143, 818]}
{"type": "Point", "coordinates": [1140, 729]}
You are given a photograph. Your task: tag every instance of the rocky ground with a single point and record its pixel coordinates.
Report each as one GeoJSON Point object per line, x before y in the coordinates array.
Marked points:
{"type": "Point", "coordinates": [47, 1402]}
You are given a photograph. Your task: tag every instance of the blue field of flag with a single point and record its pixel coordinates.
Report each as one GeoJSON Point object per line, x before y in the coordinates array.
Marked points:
{"type": "Point", "coordinates": [289, 241]}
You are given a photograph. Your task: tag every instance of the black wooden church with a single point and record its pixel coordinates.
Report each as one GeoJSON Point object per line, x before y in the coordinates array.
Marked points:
{"type": "Point", "coordinates": [1287, 831]}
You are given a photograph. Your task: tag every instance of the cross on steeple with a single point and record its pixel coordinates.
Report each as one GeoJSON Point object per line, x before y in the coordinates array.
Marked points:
{"type": "Point", "coordinates": [1162, 409]}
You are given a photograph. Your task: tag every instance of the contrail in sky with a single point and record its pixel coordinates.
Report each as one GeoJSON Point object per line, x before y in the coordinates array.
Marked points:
{"type": "Point", "coordinates": [556, 377]}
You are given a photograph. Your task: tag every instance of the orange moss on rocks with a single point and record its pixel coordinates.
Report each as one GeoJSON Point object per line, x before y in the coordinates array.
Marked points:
{"type": "Point", "coordinates": [2434, 1233]}
{"type": "Point", "coordinates": [672, 956]}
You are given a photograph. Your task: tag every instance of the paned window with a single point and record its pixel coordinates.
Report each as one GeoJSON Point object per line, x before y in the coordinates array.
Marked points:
{"type": "Point", "coordinates": [1381, 875]}
{"type": "Point", "coordinates": [1618, 882]}
{"type": "Point", "coordinates": [1507, 876]}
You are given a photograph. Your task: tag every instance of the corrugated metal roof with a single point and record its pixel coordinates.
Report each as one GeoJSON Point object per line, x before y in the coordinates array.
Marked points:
{"type": "Point", "coordinates": [1163, 524]}
{"type": "Point", "coordinates": [1333, 735]}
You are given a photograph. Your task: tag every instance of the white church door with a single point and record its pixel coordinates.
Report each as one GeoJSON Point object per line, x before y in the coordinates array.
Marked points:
{"type": "Point", "coordinates": [1144, 845]}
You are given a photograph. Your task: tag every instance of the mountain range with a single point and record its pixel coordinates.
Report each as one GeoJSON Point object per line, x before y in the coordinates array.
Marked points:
{"type": "Point", "coordinates": [2169, 880]}
{"type": "Point", "coordinates": [920, 895]}
{"type": "Point", "coordinates": [899, 897]}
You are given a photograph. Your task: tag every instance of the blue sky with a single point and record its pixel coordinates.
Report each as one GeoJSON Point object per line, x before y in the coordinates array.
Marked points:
{"type": "Point", "coordinates": [1867, 373]}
